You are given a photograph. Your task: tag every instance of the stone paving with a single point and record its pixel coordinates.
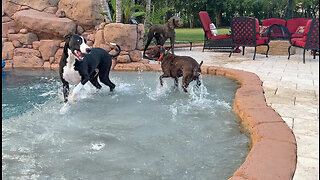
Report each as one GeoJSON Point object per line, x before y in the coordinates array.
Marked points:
{"type": "Point", "coordinates": [291, 88]}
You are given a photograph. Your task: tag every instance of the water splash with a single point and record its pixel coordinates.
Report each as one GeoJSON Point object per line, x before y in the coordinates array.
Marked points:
{"type": "Point", "coordinates": [97, 146]}
{"type": "Point", "coordinates": [160, 91]}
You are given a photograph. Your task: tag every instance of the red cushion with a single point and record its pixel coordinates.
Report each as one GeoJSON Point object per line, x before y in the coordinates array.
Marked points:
{"type": "Point", "coordinates": [257, 25]}
{"type": "Point", "coordinates": [262, 40]}
{"type": "Point", "coordinates": [221, 36]}
{"type": "Point", "coordinates": [296, 35]}
{"type": "Point", "coordinates": [205, 20]}
{"type": "Point", "coordinates": [293, 24]}
{"type": "Point", "coordinates": [298, 42]}
{"type": "Point", "coordinates": [271, 21]}
{"type": "Point", "coordinates": [306, 30]}
{"type": "Point", "coordinates": [263, 29]}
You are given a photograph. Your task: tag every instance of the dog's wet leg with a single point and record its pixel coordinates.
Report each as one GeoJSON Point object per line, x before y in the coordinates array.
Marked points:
{"type": "Point", "coordinates": [161, 78]}
{"type": "Point", "coordinates": [65, 91]}
{"type": "Point", "coordinates": [94, 79]}
{"type": "Point", "coordinates": [104, 78]}
{"type": "Point", "coordinates": [176, 82]}
{"type": "Point", "coordinates": [198, 82]}
{"type": "Point", "coordinates": [185, 82]}
{"type": "Point", "coordinates": [172, 44]}
{"type": "Point", "coordinates": [150, 36]}
{"type": "Point", "coordinates": [95, 83]}
{"type": "Point", "coordinates": [110, 84]}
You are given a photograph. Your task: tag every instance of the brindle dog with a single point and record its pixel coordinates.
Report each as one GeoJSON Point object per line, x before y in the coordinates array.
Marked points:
{"type": "Point", "coordinates": [177, 66]}
{"type": "Point", "coordinates": [161, 32]}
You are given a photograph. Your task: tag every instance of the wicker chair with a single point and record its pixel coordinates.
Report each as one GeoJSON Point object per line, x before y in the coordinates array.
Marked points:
{"type": "Point", "coordinates": [245, 32]}
{"type": "Point", "coordinates": [222, 41]}
{"type": "Point", "coordinates": [310, 39]}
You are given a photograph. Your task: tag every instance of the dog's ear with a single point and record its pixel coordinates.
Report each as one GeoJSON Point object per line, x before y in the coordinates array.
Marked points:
{"type": "Point", "coordinates": [67, 36]}
{"type": "Point", "coordinates": [200, 63]}
{"type": "Point", "coordinates": [168, 49]}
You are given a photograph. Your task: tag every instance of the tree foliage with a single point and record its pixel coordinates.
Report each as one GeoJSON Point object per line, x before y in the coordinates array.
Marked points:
{"type": "Point", "coordinates": [221, 11]}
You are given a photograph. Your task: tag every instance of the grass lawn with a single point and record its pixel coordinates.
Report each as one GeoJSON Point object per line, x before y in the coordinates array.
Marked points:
{"type": "Point", "coordinates": [195, 35]}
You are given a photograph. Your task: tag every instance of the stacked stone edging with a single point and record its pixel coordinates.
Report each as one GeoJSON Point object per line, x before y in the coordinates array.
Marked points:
{"type": "Point", "coordinates": [273, 153]}
{"type": "Point", "coordinates": [274, 150]}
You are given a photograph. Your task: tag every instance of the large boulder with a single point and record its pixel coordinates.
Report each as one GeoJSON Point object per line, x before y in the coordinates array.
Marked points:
{"type": "Point", "coordinates": [85, 13]}
{"type": "Point", "coordinates": [6, 26]}
{"type": "Point", "coordinates": [36, 4]}
{"type": "Point", "coordinates": [135, 55]}
{"type": "Point", "coordinates": [48, 48]}
{"type": "Point", "coordinates": [99, 39]}
{"type": "Point", "coordinates": [25, 52]}
{"type": "Point", "coordinates": [23, 38]}
{"type": "Point", "coordinates": [124, 35]}
{"type": "Point", "coordinates": [7, 50]}
{"type": "Point", "coordinates": [45, 25]}
{"type": "Point", "coordinates": [123, 59]}
{"type": "Point", "coordinates": [141, 33]}
{"type": "Point", "coordinates": [57, 56]}
{"type": "Point", "coordinates": [27, 62]}
{"type": "Point", "coordinates": [9, 8]}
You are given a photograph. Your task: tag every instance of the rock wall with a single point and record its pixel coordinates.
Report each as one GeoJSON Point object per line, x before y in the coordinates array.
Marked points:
{"type": "Point", "coordinates": [32, 32]}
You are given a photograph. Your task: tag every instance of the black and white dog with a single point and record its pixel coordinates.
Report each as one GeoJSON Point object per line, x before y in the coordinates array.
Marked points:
{"type": "Point", "coordinates": [79, 64]}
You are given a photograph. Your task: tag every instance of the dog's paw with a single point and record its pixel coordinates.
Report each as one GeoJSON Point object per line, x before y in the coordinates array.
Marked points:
{"type": "Point", "coordinates": [65, 108]}
{"type": "Point", "coordinates": [73, 98]}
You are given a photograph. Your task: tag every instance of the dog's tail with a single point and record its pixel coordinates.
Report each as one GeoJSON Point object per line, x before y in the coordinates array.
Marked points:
{"type": "Point", "coordinates": [119, 50]}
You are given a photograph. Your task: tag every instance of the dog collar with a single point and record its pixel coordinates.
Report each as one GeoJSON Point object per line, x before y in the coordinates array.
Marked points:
{"type": "Point", "coordinates": [160, 58]}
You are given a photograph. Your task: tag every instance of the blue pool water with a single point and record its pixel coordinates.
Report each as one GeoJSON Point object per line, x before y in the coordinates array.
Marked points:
{"type": "Point", "coordinates": [139, 131]}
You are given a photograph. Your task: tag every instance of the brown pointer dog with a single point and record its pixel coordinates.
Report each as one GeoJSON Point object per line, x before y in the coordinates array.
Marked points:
{"type": "Point", "coordinates": [177, 66]}
{"type": "Point", "coordinates": [161, 32]}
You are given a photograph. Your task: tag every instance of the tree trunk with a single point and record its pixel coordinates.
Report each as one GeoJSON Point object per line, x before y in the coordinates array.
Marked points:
{"type": "Point", "coordinates": [108, 17]}
{"type": "Point", "coordinates": [191, 18]}
{"type": "Point", "coordinates": [218, 17]}
{"type": "Point", "coordinates": [148, 9]}
{"type": "Point", "coordinates": [288, 14]}
{"type": "Point", "coordinates": [118, 11]}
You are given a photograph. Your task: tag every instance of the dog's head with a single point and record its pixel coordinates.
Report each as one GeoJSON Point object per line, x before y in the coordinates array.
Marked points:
{"type": "Point", "coordinates": [175, 22]}
{"type": "Point", "coordinates": [157, 51]}
{"type": "Point", "coordinates": [77, 45]}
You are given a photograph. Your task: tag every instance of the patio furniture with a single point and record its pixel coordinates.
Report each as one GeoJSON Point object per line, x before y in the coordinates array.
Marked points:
{"type": "Point", "coordinates": [222, 41]}
{"type": "Point", "coordinates": [295, 25]}
{"type": "Point", "coordinates": [245, 32]}
{"type": "Point", "coordinates": [310, 39]}
{"type": "Point", "coordinates": [269, 22]}
{"type": "Point", "coordinates": [277, 32]}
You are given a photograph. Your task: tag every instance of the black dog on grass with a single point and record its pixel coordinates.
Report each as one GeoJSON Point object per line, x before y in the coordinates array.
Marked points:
{"type": "Point", "coordinates": [79, 64]}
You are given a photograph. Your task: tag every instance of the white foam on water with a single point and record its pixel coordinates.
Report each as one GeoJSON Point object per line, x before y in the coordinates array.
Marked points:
{"type": "Point", "coordinates": [97, 146]}
{"type": "Point", "coordinates": [160, 91]}
{"type": "Point", "coordinates": [124, 88]}
{"type": "Point", "coordinates": [174, 111]}
{"type": "Point", "coordinates": [65, 108]}
{"type": "Point", "coordinates": [49, 93]}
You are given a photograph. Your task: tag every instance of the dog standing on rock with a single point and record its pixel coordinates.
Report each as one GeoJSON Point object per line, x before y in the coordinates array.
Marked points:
{"type": "Point", "coordinates": [79, 64]}
{"type": "Point", "coordinates": [161, 32]}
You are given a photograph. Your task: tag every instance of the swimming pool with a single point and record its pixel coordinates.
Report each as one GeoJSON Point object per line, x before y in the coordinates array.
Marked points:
{"type": "Point", "coordinates": [139, 131]}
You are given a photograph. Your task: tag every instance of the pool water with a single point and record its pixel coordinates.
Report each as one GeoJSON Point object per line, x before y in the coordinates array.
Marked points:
{"type": "Point", "coordinates": [139, 131]}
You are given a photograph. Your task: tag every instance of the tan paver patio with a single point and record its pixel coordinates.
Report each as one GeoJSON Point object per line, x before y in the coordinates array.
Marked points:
{"type": "Point", "coordinates": [291, 88]}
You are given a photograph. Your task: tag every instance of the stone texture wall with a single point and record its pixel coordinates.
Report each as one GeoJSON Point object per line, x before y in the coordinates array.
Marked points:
{"type": "Point", "coordinates": [32, 32]}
